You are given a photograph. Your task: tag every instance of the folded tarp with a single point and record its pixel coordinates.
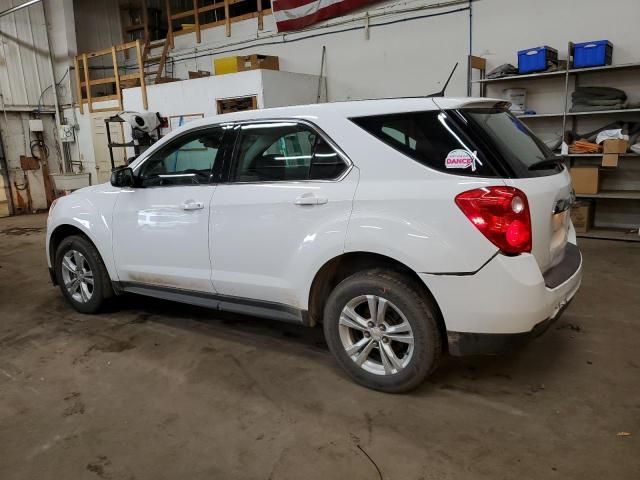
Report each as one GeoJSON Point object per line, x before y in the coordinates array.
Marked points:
{"type": "Point", "coordinates": [592, 99]}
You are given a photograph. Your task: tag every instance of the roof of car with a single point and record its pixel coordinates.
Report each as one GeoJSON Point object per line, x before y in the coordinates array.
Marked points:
{"type": "Point", "coordinates": [348, 109]}
{"type": "Point", "coordinates": [352, 108]}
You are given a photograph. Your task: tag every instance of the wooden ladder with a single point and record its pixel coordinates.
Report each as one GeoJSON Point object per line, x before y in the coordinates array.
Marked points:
{"type": "Point", "coordinates": [154, 63]}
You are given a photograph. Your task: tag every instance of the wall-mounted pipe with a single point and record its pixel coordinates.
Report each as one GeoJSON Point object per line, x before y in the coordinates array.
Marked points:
{"type": "Point", "coordinates": [18, 7]}
{"type": "Point", "coordinates": [59, 145]}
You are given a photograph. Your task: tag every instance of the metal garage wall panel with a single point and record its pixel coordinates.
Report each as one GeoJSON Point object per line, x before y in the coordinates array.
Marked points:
{"type": "Point", "coordinates": [28, 51]}
{"type": "Point", "coordinates": [98, 26]}
{"type": "Point", "coordinates": [14, 90]}
{"type": "Point", "coordinates": [41, 55]}
{"type": "Point", "coordinates": [24, 70]}
{"type": "Point", "coordinates": [16, 136]}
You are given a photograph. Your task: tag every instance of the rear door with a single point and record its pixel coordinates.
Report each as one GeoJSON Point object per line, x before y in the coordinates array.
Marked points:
{"type": "Point", "coordinates": [285, 206]}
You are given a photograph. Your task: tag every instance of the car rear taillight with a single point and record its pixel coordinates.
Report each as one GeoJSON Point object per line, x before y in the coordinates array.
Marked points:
{"type": "Point", "coordinates": [501, 214]}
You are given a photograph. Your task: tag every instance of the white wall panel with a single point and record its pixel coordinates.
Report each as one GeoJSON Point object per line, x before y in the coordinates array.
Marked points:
{"type": "Point", "coordinates": [502, 27]}
{"type": "Point", "coordinates": [411, 57]}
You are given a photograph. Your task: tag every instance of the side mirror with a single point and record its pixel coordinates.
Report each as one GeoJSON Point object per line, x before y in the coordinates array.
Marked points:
{"type": "Point", "coordinates": [122, 177]}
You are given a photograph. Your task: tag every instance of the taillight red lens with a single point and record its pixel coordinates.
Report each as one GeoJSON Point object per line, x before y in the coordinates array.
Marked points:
{"type": "Point", "coordinates": [501, 214]}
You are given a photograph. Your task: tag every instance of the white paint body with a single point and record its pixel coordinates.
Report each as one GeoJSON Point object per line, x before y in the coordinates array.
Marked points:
{"type": "Point", "coordinates": [253, 241]}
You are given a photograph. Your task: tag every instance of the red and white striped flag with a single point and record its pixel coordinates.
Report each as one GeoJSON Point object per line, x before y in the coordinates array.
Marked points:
{"type": "Point", "coordinates": [297, 14]}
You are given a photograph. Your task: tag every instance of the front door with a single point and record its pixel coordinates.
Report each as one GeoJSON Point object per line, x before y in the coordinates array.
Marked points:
{"type": "Point", "coordinates": [285, 207]}
{"type": "Point", "coordinates": [161, 227]}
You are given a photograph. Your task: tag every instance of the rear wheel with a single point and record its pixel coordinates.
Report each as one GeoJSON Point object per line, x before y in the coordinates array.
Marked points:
{"type": "Point", "coordinates": [382, 330]}
{"type": "Point", "coordinates": [81, 274]}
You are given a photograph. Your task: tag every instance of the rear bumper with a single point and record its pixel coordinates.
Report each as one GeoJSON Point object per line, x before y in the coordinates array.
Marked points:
{"type": "Point", "coordinates": [464, 343]}
{"type": "Point", "coordinates": [506, 303]}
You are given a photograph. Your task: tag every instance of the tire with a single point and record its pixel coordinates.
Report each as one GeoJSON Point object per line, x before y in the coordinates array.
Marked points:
{"type": "Point", "coordinates": [402, 303]}
{"type": "Point", "coordinates": [82, 295]}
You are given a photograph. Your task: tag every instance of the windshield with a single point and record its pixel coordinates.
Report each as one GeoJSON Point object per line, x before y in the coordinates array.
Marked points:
{"type": "Point", "coordinates": [511, 140]}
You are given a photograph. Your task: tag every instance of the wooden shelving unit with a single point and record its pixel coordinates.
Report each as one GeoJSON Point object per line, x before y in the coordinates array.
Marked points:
{"type": "Point", "coordinates": [622, 183]}
{"type": "Point", "coordinates": [143, 20]}
{"type": "Point", "coordinates": [197, 15]}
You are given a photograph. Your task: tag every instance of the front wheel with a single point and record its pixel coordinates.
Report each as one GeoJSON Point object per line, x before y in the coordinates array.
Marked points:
{"type": "Point", "coordinates": [81, 274]}
{"type": "Point", "coordinates": [382, 330]}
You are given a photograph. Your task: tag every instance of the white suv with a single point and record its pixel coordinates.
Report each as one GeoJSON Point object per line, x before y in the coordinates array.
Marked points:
{"type": "Point", "coordinates": [405, 226]}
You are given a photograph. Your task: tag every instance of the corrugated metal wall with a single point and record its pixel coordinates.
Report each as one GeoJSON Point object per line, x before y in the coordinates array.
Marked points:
{"type": "Point", "coordinates": [24, 57]}
{"type": "Point", "coordinates": [25, 86]}
{"type": "Point", "coordinates": [97, 24]}
{"type": "Point", "coordinates": [26, 80]}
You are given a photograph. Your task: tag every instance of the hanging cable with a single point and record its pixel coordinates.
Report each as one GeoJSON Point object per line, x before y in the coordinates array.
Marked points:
{"type": "Point", "coordinates": [42, 147]}
{"type": "Point", "coordinates": [47, 88]}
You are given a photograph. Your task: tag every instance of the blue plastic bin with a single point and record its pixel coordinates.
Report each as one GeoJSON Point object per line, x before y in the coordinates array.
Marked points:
{"type": "Point", "coordinates": [592, 54]}
{"type": "Point", "coordinates": [536, 59]}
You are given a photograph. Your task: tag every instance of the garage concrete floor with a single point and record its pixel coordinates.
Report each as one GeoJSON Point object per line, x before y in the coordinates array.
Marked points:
{"type": "Point", "coordinates": [156, 390]}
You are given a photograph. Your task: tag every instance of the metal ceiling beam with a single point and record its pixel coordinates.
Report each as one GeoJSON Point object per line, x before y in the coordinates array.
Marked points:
{"type": "Point", "coordinates": [18, 7]}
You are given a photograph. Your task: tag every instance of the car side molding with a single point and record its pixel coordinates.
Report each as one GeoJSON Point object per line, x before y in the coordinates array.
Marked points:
{"type": "Point", "coordinates": [245, 306]}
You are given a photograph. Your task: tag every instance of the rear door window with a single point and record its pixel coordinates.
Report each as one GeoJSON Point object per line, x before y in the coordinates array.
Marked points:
{"type": "Point", "coordinates": [283, 151]}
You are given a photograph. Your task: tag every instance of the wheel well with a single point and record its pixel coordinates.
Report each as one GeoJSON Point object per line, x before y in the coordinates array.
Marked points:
{"type": "Point", "coordinates": [59, 234]}
{"type": "Point", "coordinates": [339, 268]}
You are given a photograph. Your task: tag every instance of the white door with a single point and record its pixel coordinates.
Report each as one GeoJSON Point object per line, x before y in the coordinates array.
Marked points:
{"type": "Point", "coordinates": [161, 226]}
{"type": "Point", "coordinates": [285, 207]}
{"type": "Point", "coordinates": [101, 145]}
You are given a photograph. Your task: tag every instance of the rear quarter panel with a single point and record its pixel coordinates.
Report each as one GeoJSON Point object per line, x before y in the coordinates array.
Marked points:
{"type": "Point", "coordinates": [407, 211]}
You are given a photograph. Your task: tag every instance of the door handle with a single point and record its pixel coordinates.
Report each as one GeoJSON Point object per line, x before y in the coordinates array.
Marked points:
{"type": "Point", "coordinates": [311, 199]}
{"type": "Point", "coordinates": [190, 205]}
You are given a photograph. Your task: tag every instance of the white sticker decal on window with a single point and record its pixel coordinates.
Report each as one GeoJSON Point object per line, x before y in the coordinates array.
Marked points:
{"type": "Point", "coordinates": [459, 159]}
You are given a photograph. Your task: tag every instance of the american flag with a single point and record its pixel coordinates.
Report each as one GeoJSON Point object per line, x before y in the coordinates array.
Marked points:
{"type": "Point", "coordinates": [297, 14]}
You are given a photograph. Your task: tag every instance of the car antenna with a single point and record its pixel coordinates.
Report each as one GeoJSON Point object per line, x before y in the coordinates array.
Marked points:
{"type": "Point", "coordinates": [446, 84]}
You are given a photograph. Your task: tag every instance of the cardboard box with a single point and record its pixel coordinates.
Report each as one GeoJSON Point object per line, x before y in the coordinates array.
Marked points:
{"type": "Point", "coordinates": [582, 216]}
{"type": "Point", "coordinates": [585, 179]}
{"type": "Point", "coordinates": [224, 65]}
{"type": "Point", "coordinates": [254, 62]}
{"type": "Point", "coordinates": [235, 64]}
{"type": "Point", "coordinates": [610, 160]}
{"type": "Point", "coordinates": [615, 146]}
{"type": "Point", "coordinates": [198, 74]}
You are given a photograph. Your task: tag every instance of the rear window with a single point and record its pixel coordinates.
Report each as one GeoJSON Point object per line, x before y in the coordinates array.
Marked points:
{"type": "Point", "coordinates": [474, 142]}
{"type": "Point", "coordinates": [511, 140]}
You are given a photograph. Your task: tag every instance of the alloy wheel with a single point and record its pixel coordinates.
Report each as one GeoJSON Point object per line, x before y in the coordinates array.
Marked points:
{"type": "Point", "coordinates": [376, 335]}
{"type": "Point", "coordinates": [77, 276]}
